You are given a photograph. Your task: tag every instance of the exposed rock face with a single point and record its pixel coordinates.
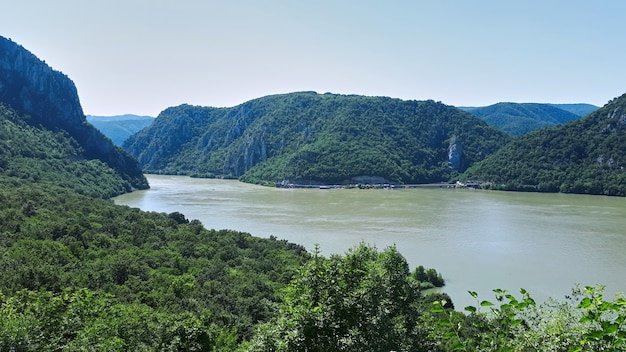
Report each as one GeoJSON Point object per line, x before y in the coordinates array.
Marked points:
{"type": "Point", "coordinates": [30, 86]}
{"type": "Point", "coordinates": [246, 157]}
{"type": "Point", "coordinates": [617, 119]}
{"type": "Point", "coordinates": [455, 154]}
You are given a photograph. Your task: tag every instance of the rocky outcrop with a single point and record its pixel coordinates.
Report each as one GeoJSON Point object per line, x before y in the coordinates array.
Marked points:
{"type": "Point", "coordinates": [49, 97]}
{"type": "Point", "coordinates": [455, 154]}
{"type": "Point", "coordinates": [246, 157]}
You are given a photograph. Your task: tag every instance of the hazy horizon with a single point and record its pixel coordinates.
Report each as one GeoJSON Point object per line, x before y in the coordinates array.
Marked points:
{"type": "Point", "coordinates": [140, 57]}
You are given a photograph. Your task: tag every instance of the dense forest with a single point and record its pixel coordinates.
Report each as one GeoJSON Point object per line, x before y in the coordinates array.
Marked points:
{"type": "Point", "coordinates": [36, 154]}
{"type": "Point", "coordinates": [518, 119]}
{"type": "Point", "coordinates": [585, 156]}
{"type": "Point", "coordinates": [119, 128]}
{"type": "Point", "coordinates": [309, 137]}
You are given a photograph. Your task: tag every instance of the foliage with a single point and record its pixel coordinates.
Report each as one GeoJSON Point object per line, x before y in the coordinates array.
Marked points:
{"type": "Point", "coordinates": [76, 320]}
{"type": "Point", "coordinates": [36, 154]}
{"type": "Point", "coordinates": [309, 137]}
{"type": "Point", "coordinates": [428, 277]}
{"type": "Point", "coordinates": [58, 239]}
{"type": "Point", "coordinates": [519, 119]}
{"type": "Point", "coordinates": [585, 156]}
{"type": "Point", "coordinates": [585, 322]}
{"type": "Point", "coordinates": [363, 301]}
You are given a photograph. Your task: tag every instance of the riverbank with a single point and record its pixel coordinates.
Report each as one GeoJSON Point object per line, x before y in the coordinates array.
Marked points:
{"type": "Point", "coordinates": [287, 184]}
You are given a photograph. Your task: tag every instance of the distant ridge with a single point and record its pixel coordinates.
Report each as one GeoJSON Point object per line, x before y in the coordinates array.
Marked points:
{"type": "Point", "coordinates": [316, 138]}
{"type": "Point", "coordinates": [118, 128]}
{"type": "Point", "coordinates": [518, 119]}
{"type": "Point", "coordinates": [579, 109]}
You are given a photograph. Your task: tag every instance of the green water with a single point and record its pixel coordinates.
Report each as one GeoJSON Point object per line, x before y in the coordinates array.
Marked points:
{"type": "Point", "coordinates": [478, 240]}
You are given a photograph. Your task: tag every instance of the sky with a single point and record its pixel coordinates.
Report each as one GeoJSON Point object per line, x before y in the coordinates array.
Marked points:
{"type": "Point", "coordinates": [142, 56]}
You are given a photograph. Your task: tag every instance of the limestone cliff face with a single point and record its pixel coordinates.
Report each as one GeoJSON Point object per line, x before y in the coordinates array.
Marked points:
{"type": "Point", "coordinates": [49, 97]}
{"type": "Point", "coordinates": [455, 154]}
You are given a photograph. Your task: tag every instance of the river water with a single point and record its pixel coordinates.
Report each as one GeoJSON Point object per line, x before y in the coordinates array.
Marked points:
{"type": "Point", "coordinates": [478, 240]}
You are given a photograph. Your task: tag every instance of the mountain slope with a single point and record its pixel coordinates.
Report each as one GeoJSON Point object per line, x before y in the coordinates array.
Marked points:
{"type": "Point", "coordinates": [317, 138]}
{"type": "Point", "coordinates": [35, 154]}
{"type": "Point", "coordinates": [80, 273]}
{"type": "Point", "coordinates": [119, 128]}
{"type": "Point", "coordinates": [585, 156]}
{"type": "Point", "coordinates": [49, 98]}
{"type": "Point", "coordinates": [518, 119]}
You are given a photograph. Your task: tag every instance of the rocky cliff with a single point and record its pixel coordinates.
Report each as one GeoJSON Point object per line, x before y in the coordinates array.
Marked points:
{"type": "Point", "coordinates": [49, 97]}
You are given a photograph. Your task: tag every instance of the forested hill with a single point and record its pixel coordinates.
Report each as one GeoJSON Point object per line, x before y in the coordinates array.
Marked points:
{"type": "Point", "coordinates": [310, 137]}
{"type": "Point", "coordinates": [119, 128]}
{"type": "Point", "coordinates": [79, 273]}
{"type": "Point", "coordinates": [50, 100]}
{"type": "Point", "coordinates": [518, 119]}
{"type": "Point", "coordinates": [585, 156]}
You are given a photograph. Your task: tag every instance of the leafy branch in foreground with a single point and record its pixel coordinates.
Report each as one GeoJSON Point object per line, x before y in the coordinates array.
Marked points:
{"type": "Point", "coordinates": [584, 322]}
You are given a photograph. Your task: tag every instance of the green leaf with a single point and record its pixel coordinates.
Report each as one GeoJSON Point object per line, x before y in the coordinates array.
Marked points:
{"type": "Point", "coordinates": [470, 309]}
{"type": "Point", "coordinates": [585, 303]}
{"type": "Point", "coordinates": [609, 328]}
{"type": "Point", "coordinates": [486, 304]}
{"type": "Point", "coordinates": [437, 307]}
{"type": "Point", "coordinates": [596, 335]}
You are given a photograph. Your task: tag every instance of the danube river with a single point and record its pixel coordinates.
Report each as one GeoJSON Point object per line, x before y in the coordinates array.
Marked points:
{"type": "Point", "coordinates": [478, 240]}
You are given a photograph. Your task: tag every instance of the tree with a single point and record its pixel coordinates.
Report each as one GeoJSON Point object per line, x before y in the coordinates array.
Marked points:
{"type": "Point", "coordinates": [363, 301]}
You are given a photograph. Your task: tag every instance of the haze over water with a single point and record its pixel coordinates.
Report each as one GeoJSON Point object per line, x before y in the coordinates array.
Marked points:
{"type": "Point", "coordinates": [478, 240]}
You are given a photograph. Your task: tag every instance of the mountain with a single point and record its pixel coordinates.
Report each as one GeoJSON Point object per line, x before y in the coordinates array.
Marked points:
{"type": "Point", "coordinates": [584, 156]}
{"type": "Point", "coordinates": [577, 109]}
{"type": "Point", "coordinates": [518, 119]}
{"type": "Point", "coordinates": [315, 138]}
{"type": "Point", "coordinates": [31, 88]}
{"type": "Point", "coordinates": [119, 128]}
{"type": "Point", "coordinates": [78, 272]}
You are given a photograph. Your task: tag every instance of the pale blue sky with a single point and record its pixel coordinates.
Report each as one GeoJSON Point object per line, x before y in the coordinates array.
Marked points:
{"type": "Point", "coordinates": [139, 56]}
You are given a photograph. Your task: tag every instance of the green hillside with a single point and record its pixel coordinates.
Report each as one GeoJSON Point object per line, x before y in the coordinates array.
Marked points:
{"type": "Point", "coordinates": [518, 119]}
{"type": "Point", "coordinates": [80, 273]}
{"type": "Point", "coordinates": [119, 128]}
{"type": "Point", "coordinates": [35, 154]}
{"type": "Point", "coordinates": [317, 138]}
{"type": "Point", "coordinates": [585, 156]}
{"type": "Point", "coordinates": [50, 100]}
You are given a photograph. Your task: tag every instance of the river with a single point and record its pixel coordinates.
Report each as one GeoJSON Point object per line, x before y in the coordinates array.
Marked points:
{"type": "Point", "coordinates": [478, 240]}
